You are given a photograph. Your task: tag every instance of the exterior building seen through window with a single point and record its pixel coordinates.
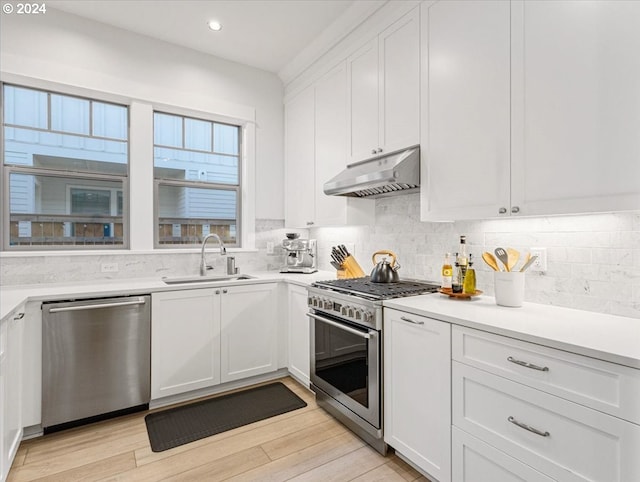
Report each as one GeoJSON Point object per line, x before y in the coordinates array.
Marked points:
{"type": "Point", "coordinates": [65, 165]}
{"type": "Point", "coordinates": [197, 180]}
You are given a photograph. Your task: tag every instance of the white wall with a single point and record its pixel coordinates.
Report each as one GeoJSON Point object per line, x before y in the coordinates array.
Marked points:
{"type": "Point", "coordinates": [66, 49]}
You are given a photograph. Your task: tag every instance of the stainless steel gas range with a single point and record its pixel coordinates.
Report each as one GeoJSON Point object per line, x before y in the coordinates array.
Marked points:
{"type": "Point", "coordinates": [346, 349]}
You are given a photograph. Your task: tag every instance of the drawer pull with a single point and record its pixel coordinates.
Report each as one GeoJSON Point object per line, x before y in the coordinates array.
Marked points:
{"type": "Point", "coordinates": [403, 318]}
{"type": "Point", "coordinates": [527, 364]}
{"type": "Point", "coordinates": [527, 427]}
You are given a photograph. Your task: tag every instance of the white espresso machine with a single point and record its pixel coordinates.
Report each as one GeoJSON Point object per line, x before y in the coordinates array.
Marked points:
{"type": "Point", "coordinates": [300, 254]}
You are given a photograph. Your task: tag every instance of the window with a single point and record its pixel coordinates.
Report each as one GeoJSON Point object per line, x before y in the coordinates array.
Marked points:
{"type": "Point", "coordinates": [197, 180]}
{"type": "Point", "coordinates": [66, 171]}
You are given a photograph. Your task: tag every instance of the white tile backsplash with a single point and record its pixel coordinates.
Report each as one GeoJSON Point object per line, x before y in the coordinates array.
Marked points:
{"type": "Point", "coordinates": [593, 260]}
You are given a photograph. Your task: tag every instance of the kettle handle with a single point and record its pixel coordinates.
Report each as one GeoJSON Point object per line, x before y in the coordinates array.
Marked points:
{"type": "Point", "coordinates": [387, 252]}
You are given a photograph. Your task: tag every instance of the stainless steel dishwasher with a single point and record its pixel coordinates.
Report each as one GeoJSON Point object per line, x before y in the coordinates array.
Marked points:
{"type": "Point", "coordinates": [96, 359]}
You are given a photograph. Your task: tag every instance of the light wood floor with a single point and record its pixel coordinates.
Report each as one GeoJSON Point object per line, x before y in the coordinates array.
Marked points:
{"type": "Point", "coordinates": [303, 445]}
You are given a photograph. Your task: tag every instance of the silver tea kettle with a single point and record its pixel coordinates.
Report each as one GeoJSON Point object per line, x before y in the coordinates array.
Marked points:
{"type": "Point", "coordinates": [385, 271]}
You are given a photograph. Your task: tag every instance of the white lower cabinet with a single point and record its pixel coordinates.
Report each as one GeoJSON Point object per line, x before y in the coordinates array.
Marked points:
{"type": "Point", "coordinates": [533, 404]}
{"type": "Point", "coordinates": [185, 341]}
{"type": "Point", "coordinates": [473, 460]}
{"type": "Point", "coordinates": [417, 388]}
{"type": "Point", "coordinates": [10, 388]}
{"type": "Point", "coordinates": [204, 337]}
{"type": "Point", "coordinates": [299, 339]}
{"type": "Point", "coordinates": [249, 329]}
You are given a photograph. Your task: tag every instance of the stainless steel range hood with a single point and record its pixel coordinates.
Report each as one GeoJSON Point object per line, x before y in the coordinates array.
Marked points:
{"type": "Point", "coordinates": [386, 175]}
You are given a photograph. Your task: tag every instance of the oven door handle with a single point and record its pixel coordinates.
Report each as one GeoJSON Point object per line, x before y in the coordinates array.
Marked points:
{"type": "Point", "coordinates": [340, 326]}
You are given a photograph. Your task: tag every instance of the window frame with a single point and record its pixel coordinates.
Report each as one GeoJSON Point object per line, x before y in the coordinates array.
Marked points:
{"type": "Point", "coordinates": [160, 181]}
{"type": "Point", "coordinates": [7, 170]}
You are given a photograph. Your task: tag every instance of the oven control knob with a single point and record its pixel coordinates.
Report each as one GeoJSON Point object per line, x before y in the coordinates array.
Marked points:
{"type": "Point", "coordinates": [343, 310]}
{"type": "Point", "coordinates": [316, 302]}
{"type": "Point", "coordinates": [327, 304]}
{"type": "Point", "coordinates": [367, 316]}
{"type": "Point", "coordinates": [350, 312]}
{"type": "Point", "coordinates": [359, 314]}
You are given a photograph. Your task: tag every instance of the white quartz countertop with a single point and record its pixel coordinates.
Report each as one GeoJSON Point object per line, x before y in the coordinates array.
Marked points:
{"type": "Point", "coordinates": [12, 297]}
{"type": "Point", "coordinates": [607, 337]}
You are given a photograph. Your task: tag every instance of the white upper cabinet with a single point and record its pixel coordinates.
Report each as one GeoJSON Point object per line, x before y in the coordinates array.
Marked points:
{"type": "Point", "coordinates": [316, 132]}
{"type": "Point", "coordinates": [531, 108]}
{"type": "Point", "coordinates": [383, 111]}
{"type": "Point", "coordinates": [466, 95]}
{"type": "Point", "coordinates": [576, 106]}
{"type": "Point", "coordinates": [300, 160]}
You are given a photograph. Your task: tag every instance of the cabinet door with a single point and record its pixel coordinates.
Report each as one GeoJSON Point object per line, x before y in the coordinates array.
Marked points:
{"type": "Point", "coordinates": [12, 397]}
{"type": "Point", "coordinates": [32, 365]}
{"type": "Point", "coordinates": [249, 331]}
{"type": "Point", "coordinates": [467, 94]}
{"type": "Point", "coordinates": [417, 381]}
{"type": "Point", "coordinates": [399, 96]}
{"type": "Point", "coordinates": [299, 339]}
{"type": "Point", "coordinates": [185, 341]}
{"type": "Point", "coordinates": [300, 160]}
{"type": "Point", "coordinates": [576, 72]}
{"type": "Point", "coordinates": [330, 143]}
{"type": "Point", "coordinates": [362, 108]}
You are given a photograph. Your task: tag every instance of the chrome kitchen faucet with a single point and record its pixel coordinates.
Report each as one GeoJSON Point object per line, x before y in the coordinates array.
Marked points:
{"type": "Point", "coordinates": [223, 251]}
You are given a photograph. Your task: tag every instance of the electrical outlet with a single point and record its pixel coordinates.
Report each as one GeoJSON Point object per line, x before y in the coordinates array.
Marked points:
{"type": "Point", "coordinates": [270, 247]}
{"type": "Point", "coordinates": [540, 264]}
{"type": "Point", "coordinates": [109, 267]}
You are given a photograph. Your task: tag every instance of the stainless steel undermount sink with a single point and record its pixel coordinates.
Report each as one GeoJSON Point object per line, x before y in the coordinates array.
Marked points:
{"type": "Point", "coordinates": [205, 279]}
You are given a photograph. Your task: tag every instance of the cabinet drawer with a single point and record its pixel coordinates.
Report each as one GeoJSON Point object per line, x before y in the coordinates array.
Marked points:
{"type": "Point", "coordinates": [610, 388]}
{"type": "Point", "coordinates": [572, 443]}
{"type": "Point", "coordinates": [475, 461]}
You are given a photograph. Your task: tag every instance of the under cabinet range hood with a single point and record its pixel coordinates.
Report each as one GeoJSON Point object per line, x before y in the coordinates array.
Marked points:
{"type": "Point", "coordinates": [386, 175]}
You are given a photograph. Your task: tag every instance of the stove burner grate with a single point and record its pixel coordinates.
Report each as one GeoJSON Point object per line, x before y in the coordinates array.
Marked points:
{"type": "Point", "coordinates": [378, 291]}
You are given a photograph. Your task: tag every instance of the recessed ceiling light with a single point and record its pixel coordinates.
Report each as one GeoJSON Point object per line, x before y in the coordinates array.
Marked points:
{"type": "Point", "coordinates": [215, 25]}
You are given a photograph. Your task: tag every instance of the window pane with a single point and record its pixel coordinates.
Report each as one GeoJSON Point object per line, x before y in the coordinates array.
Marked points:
{"type": "Point", "coordinates": [195, 166]}
{"type": "Point", "coordinates": [26, 147]}
{"type": "Point", "coordinates": [25, 107]}
{"type": "Point", "coordinates": [69, 114]}
{"type": "Point", "coordinates": [48, 210]}
{"type": "Point", "coordinates": [225, 139]}
{"type": "Point", "coordinates": [197, 134]}
{"type": "Point", "coordinates": [90, 201]}
{"type": "Point", "coordinates": [109, 120]}
{"type": "Point", "coordinates": [167, 130]}
{"type": "Point", "coordinates": [187, 214]}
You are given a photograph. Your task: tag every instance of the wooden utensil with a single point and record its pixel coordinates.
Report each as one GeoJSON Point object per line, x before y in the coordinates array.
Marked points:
{"type": "Point", "coordinates": [528, 263]}
{"type": "Point", "coordinates": [525, 260]}
{"type": "Point", "coordinates": [491, 261]}
{"type": "Point", "coordinates": [502, 255]}
{"type": "Point", "coordinates": [513, 255]}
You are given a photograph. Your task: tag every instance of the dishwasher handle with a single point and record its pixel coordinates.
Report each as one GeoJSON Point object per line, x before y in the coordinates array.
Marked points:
{"type": "Point", "coordinates": [139, 301]}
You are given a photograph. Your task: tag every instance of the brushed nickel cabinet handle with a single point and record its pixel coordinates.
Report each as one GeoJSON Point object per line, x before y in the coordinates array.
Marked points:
{"type": "Point", "coordinates": [404, 318]}
{"type": "Point", "coordinates": [502, 211]}
{"type": "Point", "coordinates": [527, 364]}
{"type": "Point", "coordinates": [515, 209]}
{"type": "Point", "coordinates": [528, 427]}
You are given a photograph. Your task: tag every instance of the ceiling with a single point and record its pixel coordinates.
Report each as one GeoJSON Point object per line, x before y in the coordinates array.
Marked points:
{"type": "Point", "coordinates": [267, 34]}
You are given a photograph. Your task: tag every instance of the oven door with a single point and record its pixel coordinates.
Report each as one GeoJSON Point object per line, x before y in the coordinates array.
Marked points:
{"type": "Point", "coordinates": [345, 364]}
